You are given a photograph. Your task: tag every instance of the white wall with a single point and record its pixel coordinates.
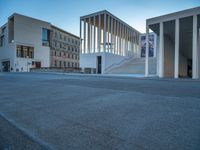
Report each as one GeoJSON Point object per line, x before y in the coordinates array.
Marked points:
{"type": "Point", "coordinates": [28, 31]}
{"type": "Point", "coordinates": [108, 59]}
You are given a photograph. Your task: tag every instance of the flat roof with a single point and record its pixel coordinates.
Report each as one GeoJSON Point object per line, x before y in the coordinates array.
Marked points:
{"type": "Point", "coordinates": [107, 12]}
{"type": "Point", "coordinates": [172, 16]}
{"type": "Point", "coordinates": [61, 30]}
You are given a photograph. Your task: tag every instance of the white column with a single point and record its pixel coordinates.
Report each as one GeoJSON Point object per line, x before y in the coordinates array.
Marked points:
{"type": "Point", "coordinates": [194, 50]}
{"type": "Point", "coordinates": [84, 35]}
{"type": "Point", "coordinates": [176, 61]}
{"type": "Point", "coordinates": [120, 35]}
{"type": "Point", "coordinates": [111, 33]}
{"type": "Point", "coordinates": [115, 23]}
{"type": "Point", "coordinates": [99, 34]}
{"type": "Point", "coordinates": [161, 52]}
{"type": "Point", "coordinates": [81, 35]}
{"type": "Point", "coordinates": [94, 34]}
{"type": "Point", "coordinates": [108, 47]}
{"type": "Point", "coordinates": [147, 52]}
{"type": "Point", "coordinates": [88, 45]}
{"type": "Point", "coordinates": [104, 34]}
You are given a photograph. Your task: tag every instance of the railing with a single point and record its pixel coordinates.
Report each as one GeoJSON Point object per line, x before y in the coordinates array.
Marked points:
{"type": "Point", "coordinates": [118, 64]}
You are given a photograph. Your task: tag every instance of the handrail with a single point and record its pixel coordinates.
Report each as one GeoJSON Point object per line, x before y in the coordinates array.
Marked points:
{"type": "Point", "coordinates": [119, 63]}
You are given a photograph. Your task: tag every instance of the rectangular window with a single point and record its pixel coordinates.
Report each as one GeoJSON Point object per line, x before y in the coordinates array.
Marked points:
{"type": "Point", "coordinates": [3, 30]}
{"type": "Point", "coordinates": [64, 64]}
{"type": "Point", "coordinates": [55, 63]}
{"type": "Point", "coordinates": [2, 39]}
{"type": "Point", "coordinates": [45, 37]}
{"type": "Point", "coordinates": [25, 51]}
{"type": "Point", "coordinates": [60, 64]}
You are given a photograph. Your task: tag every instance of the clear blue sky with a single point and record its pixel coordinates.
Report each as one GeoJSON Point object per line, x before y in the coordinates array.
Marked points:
{"type": "Point", "coordinates": [66, 13]}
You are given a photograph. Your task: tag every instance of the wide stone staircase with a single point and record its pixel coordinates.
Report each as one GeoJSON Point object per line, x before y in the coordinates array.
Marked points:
{"type": "Point", "coordinates": [133, 66]}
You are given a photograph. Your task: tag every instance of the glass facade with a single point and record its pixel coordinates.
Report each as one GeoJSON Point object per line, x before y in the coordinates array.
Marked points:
{"type": "Point", "coordinates": [45, 37]}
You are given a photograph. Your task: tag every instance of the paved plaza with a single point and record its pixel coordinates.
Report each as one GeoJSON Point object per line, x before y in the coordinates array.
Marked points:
{"type": "Point", "coordinates": [65, 111]}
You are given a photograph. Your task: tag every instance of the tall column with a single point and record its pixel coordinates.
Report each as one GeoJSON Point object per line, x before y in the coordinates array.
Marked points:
{"type": "Point", "coordinates": [111, 32]}
{"type": "Point", "coordinates": [176, 61]}
{"type": "Point", "coordinates": [88, 43]}
{"type": "Point", "coordinates": [84, 35]}
{"type": "Point", "coordinates": [108, 47]}
{"type": "Point", "coordinates": [94, 33]}
{"type": "Point", "coordinates": [194, 50]}
{"type": "Point", "coordinates": [147, 52]}
{"type": "Point", "coordinates": [99, 34]}
{"type": "Point", "coordinates": [81, 35]}
{"type": "Point", "coordinates": [120, 35]}
{"type": "Point", "coordinates": [115, 23]}
{"type": "Point", "coordinates": [104, 34]}
{"type": "Point", "coordinates": [161, 52]}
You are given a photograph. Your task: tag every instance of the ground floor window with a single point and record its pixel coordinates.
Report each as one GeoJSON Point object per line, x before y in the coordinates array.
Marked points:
{"type": "Point", "coordinates": [25, 51]}
{"type": "Point", "coordinates": [36, 64]}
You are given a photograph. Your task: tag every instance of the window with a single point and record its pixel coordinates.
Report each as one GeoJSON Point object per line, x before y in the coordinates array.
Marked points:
{"type": "Point", "coordinates": [64, 64]}
{"type": "Point", "coordinates": [60, 63]}
{"type": "Point", "coordinates": [72, 40]}
{"type": "Point", "coordinates": [68, 64]}
{"type": "Point", "coordinates": [76, 42]}
{"type": "Point", "coordinates": [60, 45]}
{"type": "Point", "coordinates": [55, 63]}
{"type": "Point", "coordinates": [61, 36]}
{"type": "Point", "coordinates": [55, 34]}
{"type": "Point", "coordinates": [3, 30]}
{"type": "Point", "coordinates": [2, 39]}
{"type": "Point", "coordinates": [65, 38]}
{"type": "Point", "coordinates": [55, 53]}
{"type": "Point", "coordinates": [69, 40]}
{"type": "Point", "coordinates": [68, 48]}
{"type": "Point", "coordinates": [45, 37]}
{"type": "Point", "coordinates": [72, 49]}
{"type": "Point", "coordinates": [25, 51]}
{"type": "Point", "coordinates": [60, 54]}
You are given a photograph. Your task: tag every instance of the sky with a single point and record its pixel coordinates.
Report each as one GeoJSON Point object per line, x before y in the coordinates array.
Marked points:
{"type": "Point", "coordinates": [66, 14]}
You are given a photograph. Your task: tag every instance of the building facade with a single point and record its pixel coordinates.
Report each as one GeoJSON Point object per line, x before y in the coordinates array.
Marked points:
{"type": "Point", "coordinates": [178, 44]}
{"type": "Point", "coordinates": [106, 40]}
{"type": "Point", "coordinates": [29, 43]}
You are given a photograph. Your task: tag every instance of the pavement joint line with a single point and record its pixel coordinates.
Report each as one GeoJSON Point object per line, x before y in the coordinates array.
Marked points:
{"type": "Point", "coordinates": [122, 76]}
{"type": "Point", "coordinates": [26, 133]}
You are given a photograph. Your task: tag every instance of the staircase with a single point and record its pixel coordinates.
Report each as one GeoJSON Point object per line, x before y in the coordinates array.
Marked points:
{"type": "Point", "coordinates": [134, 66]}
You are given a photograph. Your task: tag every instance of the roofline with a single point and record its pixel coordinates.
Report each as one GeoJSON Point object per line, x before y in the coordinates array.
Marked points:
{"type": "Point", "coordinates": [107, 12]}
{"type": "Point", "coordinates": [65, 31]}
{"type": "Point", "coordinates": [27, 17]}
{"type": "Point", "coordinates": [170, 15]}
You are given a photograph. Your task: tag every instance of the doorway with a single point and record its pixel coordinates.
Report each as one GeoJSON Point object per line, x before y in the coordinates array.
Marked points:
{"type": "Point", "coordinates": [99, 64]}
{"type": "Point", "coordinates": [6, 66]}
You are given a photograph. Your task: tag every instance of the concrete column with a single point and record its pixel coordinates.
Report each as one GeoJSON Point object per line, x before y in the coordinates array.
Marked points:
{"type": "Point", "coordinates": [195, 74]}
{"type": "Point", "coordinates": [161, 52]}
{"type": "Point", "coordinates": [176, 61]}
{"type": "Point", "coordinates": [111, 32]}
{"type": "Point", "coordinates": [88, 44]}
{"type": "Point", "coordinates": [120, 35]}
{"type": "Point", "coordinates": [94, 34]}
{"type": "Point", "coordinates": [99, 34]}
{"type": "Point", "coordinates": [81, 35]}
{"type": "Point", "coordinates": [147, 52]}
{"type": "Point", "coordinates": [115, 23]}
{"type": "Point", "coordinates": [108, 47]}
{"type": "Point", "coordinates": [84, 35]}
{"type": "Point", "coordinates": [104, 34]}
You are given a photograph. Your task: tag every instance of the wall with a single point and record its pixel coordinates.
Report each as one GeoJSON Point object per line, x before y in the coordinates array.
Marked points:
{"type": "Point", "coordinates": [169, 52]}
{"type": "Point", "coordinates": [28, 31]}
{"type": "Point", "coordinates": [90, 60]}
